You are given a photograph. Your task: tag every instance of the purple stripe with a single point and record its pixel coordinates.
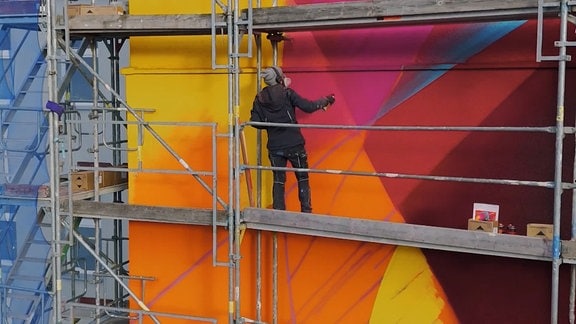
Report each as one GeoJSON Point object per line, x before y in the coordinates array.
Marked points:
{"type": "Point", "coordinates": [184, 274]}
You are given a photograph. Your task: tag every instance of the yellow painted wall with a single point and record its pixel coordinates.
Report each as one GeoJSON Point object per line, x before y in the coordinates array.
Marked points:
{"type": "Point", "coordinates": [173, 76]}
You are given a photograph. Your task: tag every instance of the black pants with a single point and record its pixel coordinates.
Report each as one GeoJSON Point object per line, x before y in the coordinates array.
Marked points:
{"type": "Point", "coordinates": [299, 159]}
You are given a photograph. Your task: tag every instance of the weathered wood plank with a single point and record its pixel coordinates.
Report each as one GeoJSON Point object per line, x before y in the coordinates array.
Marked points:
{"type": "Point", "coordinates": [428, 237]}
{"type": "Point", "coordinates": [389, 12]}
{"type": "Point", "coordinates": [421, 7]}
{"type": "Point", "coordinates": [311, 16]}
{"type": "Point", "coordinates": [189, 216]}
{"type": "Point", "coordinates": [142, 25]}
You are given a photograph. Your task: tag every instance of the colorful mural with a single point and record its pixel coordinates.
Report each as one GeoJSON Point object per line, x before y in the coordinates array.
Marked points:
{"type": "Point", "coordinates": [469, 74]}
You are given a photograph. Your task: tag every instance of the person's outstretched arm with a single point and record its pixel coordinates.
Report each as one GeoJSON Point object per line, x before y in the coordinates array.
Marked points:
{"type": "Point", "coordinates": [310, 106]}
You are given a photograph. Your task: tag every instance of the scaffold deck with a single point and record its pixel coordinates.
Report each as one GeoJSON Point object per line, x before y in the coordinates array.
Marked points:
{"type": "Point", "coordinates": [307, 17]}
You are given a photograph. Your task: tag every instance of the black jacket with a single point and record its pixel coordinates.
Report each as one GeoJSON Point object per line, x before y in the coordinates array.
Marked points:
{"type": "Point", "coordinates": [276, 104]}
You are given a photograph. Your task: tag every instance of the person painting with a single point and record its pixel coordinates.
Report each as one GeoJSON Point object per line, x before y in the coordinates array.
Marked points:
{"type": "Point", "coordinates": [277, 103]}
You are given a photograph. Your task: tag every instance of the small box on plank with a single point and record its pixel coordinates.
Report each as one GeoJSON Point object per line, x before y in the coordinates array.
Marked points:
{"type": "Point", "coordinates": [89, 10]}
{"type": "Point", "coordinates": [540, 230]}
{"type": "Point", "coordinates": [483, 226]}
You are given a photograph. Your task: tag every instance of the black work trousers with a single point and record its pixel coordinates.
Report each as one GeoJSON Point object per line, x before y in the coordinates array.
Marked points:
{"type": "Point", "coordinates": [299, 159]}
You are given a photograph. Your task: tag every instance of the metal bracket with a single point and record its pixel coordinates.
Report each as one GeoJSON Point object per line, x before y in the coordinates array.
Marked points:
{"type": "Point", "coordinates": [540, 28]}
{"type": "Point", "coordinates": [218, 25]}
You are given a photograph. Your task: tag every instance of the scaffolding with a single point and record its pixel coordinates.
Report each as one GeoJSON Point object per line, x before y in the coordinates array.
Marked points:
{"type": "Point", "coordinates": [110, 112]}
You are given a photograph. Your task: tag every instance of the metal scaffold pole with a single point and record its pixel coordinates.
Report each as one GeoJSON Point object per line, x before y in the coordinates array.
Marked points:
{"type": "Point", "coordinates": [236, 148]}
{"type": "Point", "coordinates": [556, 261]}
{"type": "Point", "coordinates": [54, 163]}
{"type": "Point", "coordinates": [258, 40]}
{"type": "Point", "coordinates": [114, 46]}
{"type": "Point", "coordinates": [233, 290]}
{"type": "Point", "coordinates": [572, 293]}
{"type": "Point", "coordinates": [274, 234]}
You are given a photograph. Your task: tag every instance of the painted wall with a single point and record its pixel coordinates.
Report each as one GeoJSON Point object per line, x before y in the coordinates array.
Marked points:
{"type": "Point", "coordinates": [476, 74]}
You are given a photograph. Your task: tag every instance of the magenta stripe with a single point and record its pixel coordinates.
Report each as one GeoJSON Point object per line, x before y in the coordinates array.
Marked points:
{"type": "Point", "coordinates": [370, 289]}
{"type": "Point", "coordinates": [289, 281]}
{"type": "Point", "coordinates": [334, 287]}
{"type": "Point", "coordinates": [184, 274]}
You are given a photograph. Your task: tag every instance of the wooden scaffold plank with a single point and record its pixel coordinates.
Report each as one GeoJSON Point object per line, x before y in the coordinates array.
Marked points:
{"type": "Point", "coordinates": [388, 12]}
{"type": "Point", "coordinates": [310, 17]}
{"type": "Point", "coordinates": [143, 25]}
{"type": "Point", "coordinates": [428, 237]}
{"type": "Point", "coordinates": [189, 216]}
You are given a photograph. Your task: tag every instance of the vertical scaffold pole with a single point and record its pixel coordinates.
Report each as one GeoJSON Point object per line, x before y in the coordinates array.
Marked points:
{"type": "Point", "coordinates": [53, 162]}
{"type": "Point", "coordinates": [274, 42]}
{"type": "Point", "coordinates": [558, 161]}
{"type": "Point", "coordinates": [233, 285]}
{"type": "Point", "coordinates": [258, 40]}
{"type": "Point", "coordinates": [235, 69]}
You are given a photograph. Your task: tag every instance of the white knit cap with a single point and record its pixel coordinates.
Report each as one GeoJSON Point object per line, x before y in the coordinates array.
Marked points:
{"type": "Point", "coordinates": [270, 76]}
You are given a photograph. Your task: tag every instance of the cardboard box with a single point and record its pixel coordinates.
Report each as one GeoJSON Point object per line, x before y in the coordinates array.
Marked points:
{"type": "Point", "coordinates": [107, 178]}
{"type": "Point", "coordinates": [540, 230]}
{"type": "Point", "coordinates": [483, 226]}
{"type": "Point", "coordinates": [485, 212]}
{"type": "Point", "coordinates": [88, 10]}
{"type": "Point", "coordinates": [84, 180]}
{"type": "Point", "coordinates": [122, 176]}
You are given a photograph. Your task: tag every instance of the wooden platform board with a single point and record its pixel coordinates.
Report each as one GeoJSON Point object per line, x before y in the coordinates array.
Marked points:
{"type": "Point", "coordinates": [376, 13]}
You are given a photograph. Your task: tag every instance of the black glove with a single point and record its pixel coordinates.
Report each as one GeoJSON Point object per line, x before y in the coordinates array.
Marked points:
{"type": "Point", "coordinates": [331, 99]}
